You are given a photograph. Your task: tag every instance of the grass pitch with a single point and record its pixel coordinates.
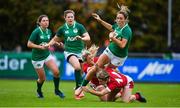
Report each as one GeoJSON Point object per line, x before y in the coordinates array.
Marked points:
{"type": "Point", "coordinates": [22, 93]}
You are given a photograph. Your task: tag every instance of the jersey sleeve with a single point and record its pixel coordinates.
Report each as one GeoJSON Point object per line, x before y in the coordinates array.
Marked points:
{"type": "Point", "coordinates": [85, 67]}
{"type": "Point", "coordinates": [114, 26]}
{"type": "Point", "coordinates": [33, 36]}
{"type": "Point", "coordinates": [126, 33]}
{"type": "Point", "coordinates": [50, 33]}
{"type": "Point", "coordinates": [59, 33]}
{"type": "Point", "coordinates": [82, 29]}
{"type": "Point", "coordinates": [96, 59]}
{"type": "Point", "coordinates": [111, 86]}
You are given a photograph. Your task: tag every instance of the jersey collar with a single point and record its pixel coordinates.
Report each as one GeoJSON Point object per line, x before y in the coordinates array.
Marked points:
{"type": "Point", "coordinates": [67, 26]}
{"type": "Point", "coordinates": [42, 30]}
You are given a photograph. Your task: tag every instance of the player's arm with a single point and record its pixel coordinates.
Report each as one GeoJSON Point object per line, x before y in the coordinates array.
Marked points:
{"type": "Point", "coordinates": [97, 93]}
{"type": "Point", "coordinates": [104, 23]}
{"type": "Point", "coordinates": [121, 42]}
{"type": "Point", "coordinates": [30, 44]}
{"type": "Point", "coordinates": [54, 40]}
{"type": "Point", "coordinates": [85, 37]}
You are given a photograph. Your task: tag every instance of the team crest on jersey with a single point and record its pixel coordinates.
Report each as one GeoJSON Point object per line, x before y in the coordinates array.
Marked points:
{"type": "Point", "coordinates": [66, 32]}
{"type": "Point", "coordinates": [48, 36]}
{"type": "Point", "coordinates": [41, 37]}
{"type": "Point", "coordinates": [75, 30]}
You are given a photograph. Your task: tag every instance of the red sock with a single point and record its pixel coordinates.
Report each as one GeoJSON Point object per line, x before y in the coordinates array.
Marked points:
{"type": "Point", "coordinates": [137, 96]}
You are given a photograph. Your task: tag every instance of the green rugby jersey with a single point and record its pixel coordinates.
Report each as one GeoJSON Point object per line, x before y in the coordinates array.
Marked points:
{"type": "Point", "coordinates": [69, 33]}
{"type": "Point", "coordinates": [40, 37]}
{"type": "Point", "coordinates": [124, 32]}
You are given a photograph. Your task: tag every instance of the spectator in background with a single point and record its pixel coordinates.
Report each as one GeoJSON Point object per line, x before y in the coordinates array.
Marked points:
{"type": "Point", "coordinates": [117, 51]}
{"type": "Point", "coordinates": [41, 55]}
{"type": "Point", "coordinates": [75, 36]}
{"type": "Point", "coordinates": [18, 48]}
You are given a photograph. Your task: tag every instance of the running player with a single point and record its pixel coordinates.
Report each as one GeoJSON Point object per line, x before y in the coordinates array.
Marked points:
{"type": "Point", "coordinates": [41, 55]}
{"type": "Point", "coordinates": [75, 37]}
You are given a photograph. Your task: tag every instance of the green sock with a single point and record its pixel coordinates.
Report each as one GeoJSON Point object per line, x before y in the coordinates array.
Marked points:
{"type": "Point", "coordinates": [39, 86]}
{"type": "Point", "coordinates": [85, 82]}
{"type": "Point", "coordinates": [78, 78]}
{"type": "Point", "coordinates": [56, 83]}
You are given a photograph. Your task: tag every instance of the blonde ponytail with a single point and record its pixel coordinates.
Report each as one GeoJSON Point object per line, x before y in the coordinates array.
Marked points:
{"type": "Point", "coordinates": [125, 11]}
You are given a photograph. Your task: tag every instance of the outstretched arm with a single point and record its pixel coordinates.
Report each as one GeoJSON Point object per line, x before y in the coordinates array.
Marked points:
{"type": "Point", "coordinates": [104, 23]}
{"type": "Point", "coordinates": [97, 93]}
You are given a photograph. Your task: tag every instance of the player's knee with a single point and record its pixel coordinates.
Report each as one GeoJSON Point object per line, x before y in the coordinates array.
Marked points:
{"type": "Point", "coordinates": [126, 100]}
{"type": "Point", "coordinates": [77, 68]}
{"type": "Point", "coordinates": [56, 73]}
{"type": "Point", "coordinates": [103, 98]}
{"type": "Point", "coordinates": [41, 79]}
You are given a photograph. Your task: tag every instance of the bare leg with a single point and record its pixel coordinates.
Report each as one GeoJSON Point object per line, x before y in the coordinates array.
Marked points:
{"type": "Point", "coordinates": [126, 94]}
{"type": "Point", "coordinates": [112, 95]}
{"type": "Point", "coordinates": [73, 60]}
{"type": "Point", "coordinates": [100, 88]}
{"type": "Point", "coordinates": [52, 66]}
{"type": "Point", "coordinates": [103, 59]}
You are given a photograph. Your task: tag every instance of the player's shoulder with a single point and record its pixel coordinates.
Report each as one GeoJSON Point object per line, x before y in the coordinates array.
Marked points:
{"type": "Point", "coordinates": [62, 27]}
{"type": "Point", "coordinates": [49, 30]}
{"type": "Point", "coordinates": [79, 24]}
{"type": "Point", "coordinates": [127, 27]}
{"type": "Point", "coordinates": [36, 30]}
{"type": "Point", "coordinates": [96, 59]}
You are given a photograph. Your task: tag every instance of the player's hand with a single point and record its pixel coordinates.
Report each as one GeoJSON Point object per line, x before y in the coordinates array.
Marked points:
{"type": "Point", "coordinates": [46, 46]}
{"type": "Point", "coordinates": [112, 35]}
{"type": "Point", "coordinates": [59, 44]}
{"type": "Point", "coordinates": [96, 16]}
{"type": "Point", "coordinates": [42, 47]}
{"type": "Point", "coordinates": [85, 89]}
{"type": "Point", "coordinates": [78, 37]}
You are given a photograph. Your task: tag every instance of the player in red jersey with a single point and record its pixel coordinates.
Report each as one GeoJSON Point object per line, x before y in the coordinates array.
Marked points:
{"type": "Point", "coordinates": [113, 84]}
{"type": "Point", "coordinates": [89, 58]}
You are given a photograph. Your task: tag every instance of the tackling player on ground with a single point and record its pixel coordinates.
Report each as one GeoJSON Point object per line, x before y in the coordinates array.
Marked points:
{"type": "Point", "coordinates": [114, 85]}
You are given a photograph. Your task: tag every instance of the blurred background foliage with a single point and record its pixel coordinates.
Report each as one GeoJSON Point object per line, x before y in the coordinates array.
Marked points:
{"type": "Point", "coordinates": [148, 19]}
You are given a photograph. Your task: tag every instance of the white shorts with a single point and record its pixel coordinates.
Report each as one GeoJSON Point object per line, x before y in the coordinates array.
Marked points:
{"type": "Point", "coordinates": [67, 54]}
{"type": "Point", "coordinates": [40, 64]}
{"type": "Point", "coordinates": [116, 61]}
{"type": "Point", "coordinates": [130, 82]}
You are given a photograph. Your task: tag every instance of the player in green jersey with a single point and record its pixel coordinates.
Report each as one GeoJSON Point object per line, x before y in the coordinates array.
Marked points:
{"type": "Point", "coordinates": [41, 55]}
{"type": "Point", "coordinates": [117, 51]}
{"type": "Point", "coordinates": [74, 36]}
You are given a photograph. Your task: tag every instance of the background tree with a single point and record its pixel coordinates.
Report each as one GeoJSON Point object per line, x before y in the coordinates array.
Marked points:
{"type": "Point", "coordinates": [148, 19]}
